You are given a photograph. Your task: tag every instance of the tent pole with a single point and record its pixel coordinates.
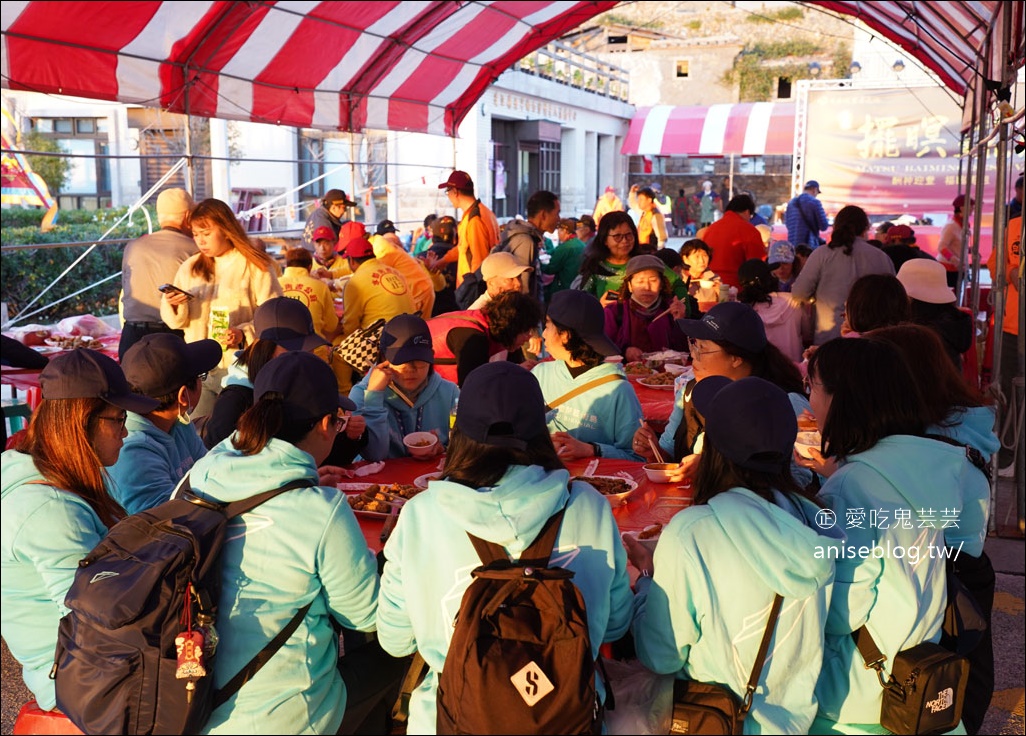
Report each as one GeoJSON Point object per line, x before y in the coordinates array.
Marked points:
{"type": "Point", "coordinates": [352, 167]}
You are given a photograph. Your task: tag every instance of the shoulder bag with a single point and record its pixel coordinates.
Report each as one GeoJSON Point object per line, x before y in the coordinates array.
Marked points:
{"type": "Point", "coordinates": [709, 708]}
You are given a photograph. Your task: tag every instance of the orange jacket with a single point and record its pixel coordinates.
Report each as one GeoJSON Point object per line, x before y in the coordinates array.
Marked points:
{"type": "Point", "coordinates": [1013, 274]}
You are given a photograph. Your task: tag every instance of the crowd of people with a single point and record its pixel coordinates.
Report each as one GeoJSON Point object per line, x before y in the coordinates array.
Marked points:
{"type": "Point", "coordinates": [510, 350]}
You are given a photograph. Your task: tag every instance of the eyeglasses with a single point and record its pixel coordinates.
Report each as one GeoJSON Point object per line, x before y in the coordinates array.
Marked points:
{"type": "Point", "coordinates": [120, 419]}
{"type": "Point", "coordinates": [621, 237]}
{"type": "Point", "coordinates": [696, 353]}
{"type": "Point", "coordinates": [341, 422]}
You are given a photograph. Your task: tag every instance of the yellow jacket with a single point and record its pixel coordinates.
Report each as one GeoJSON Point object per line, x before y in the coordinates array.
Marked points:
{"type": "Point", "coordinates": [297, 283]}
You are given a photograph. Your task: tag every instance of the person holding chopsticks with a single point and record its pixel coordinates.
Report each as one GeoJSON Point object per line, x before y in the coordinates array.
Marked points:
{"type": "Point", "coordinates": [643, 318]}
{"type": "Point", "coordinates": [403, 393]}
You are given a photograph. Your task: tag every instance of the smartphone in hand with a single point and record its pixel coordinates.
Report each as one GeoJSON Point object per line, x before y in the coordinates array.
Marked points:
{"type": "Point", "coordinates": [172, 289]}
{"type": "Point", "coordinates": [613, 295]}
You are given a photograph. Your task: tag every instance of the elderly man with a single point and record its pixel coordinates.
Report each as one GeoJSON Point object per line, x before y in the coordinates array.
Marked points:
{"type": "Point", "coordinates": [333, 207]}
{"type": "Point", "coordinates": [500, 272]}
{"type": "Point", "coordinates": [150, 261]}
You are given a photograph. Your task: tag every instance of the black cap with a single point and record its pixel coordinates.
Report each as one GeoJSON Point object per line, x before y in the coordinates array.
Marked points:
{"type": "Point", "coordinates": [161, 363]}
{"type": "Point", "coordinates": [582, 313]}
{"type": "Point", "coordinates": [336, 195]}
{"type": "Point", "coordinates": [288, 323]}
{"type": "Point", "coordinates": [89, 374]}
{"type": "Point", "coordinates": [306, 382]}
{"type": "Point", "coordinates": [733, 322]}
{"type": "Point", "coordinates": [501, 404]}
{"type": "Point", "coordinates": [386, 226]}
{"type": "Point", "coordinates": [751, 421]}
{"type": "Point", "coordinates": [405, 338]}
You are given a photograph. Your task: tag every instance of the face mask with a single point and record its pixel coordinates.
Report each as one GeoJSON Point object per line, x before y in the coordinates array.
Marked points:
{"type": "Point", "coordinates": [644, 298]}
{"type": "Point", "coordinates": [183, 416]}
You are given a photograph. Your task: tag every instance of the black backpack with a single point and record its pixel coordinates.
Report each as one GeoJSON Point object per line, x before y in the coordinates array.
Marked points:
{"type": "Point", "coordinates": [472, 286]}
{"type": "Point", "coordinates": [520, 658]}
{"type": "Point", "coordinates": [154, 579]}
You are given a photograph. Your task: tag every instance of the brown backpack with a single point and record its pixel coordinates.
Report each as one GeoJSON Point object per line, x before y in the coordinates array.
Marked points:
{"type": "Point", "coordinates": [520, 659]}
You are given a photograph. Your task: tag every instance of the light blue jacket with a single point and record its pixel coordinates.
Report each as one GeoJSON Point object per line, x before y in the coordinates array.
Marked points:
{"type": "Point", "coordinates": [896, 496]}
{"type": "Point", "coordinates": [389, 419]}
{"type": "Point", "coordinates": [303, 546]}
{"type": "Point", "coordinates": [430, 557]}
{"type": "Point", "coordinates": [152, 462]}
{"type": "Point", "coordinates": [703, 614]}
{"type": "Point", "coordinates": [973, 426]}
{"type": "Point", "coordinates": [682, 394]}
{"type": "Point", "coordinates": [608, 414]}
{"type": "Point", "coordinates": [44, 532]}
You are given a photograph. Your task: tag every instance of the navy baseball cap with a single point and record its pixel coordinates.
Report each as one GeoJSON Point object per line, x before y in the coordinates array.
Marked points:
{"type": "Point", "coordinates": [405, 338]}
{"type": "Point", "coordinates": [811, 183]}
{"type": "Point", "coordinates": [501, 404]}
{"type": "Point", "coordinates": [582, 313]}
{"type": "Point", "coordinates": [733, 322]}
{"type": "Point", "coordinates": [751, 421]}
{"type": "Point", "coordinates": [386, 226]}
{"type": "Point", "coordinates": [307, 384]}
{"type": "Point", "coordinates": [161, 363]}
{"type": "Point", "coordinates": [89, 374]}
{"type": "Point", "coordinates": [287, 322]}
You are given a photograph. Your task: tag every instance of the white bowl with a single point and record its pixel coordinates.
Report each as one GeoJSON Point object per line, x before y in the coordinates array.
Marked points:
{"type": "Point", "coordinates": [805, 441]}
{"type": "Point", "coordinates": [660, 472]}
{"type": "Point", "coordinates": [420, 444]}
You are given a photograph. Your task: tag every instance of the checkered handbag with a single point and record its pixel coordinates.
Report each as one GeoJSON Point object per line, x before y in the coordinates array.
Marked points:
{"type": "Point", "coordinates": [360, 348]}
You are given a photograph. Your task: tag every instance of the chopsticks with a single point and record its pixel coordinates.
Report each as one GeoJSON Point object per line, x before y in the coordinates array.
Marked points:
{"type": "Point", "coordinates": [662, 314]}
{"type": "Point", "coordinates": [408, 401]}
{"type": "Point", "coordinates": [653, 445]}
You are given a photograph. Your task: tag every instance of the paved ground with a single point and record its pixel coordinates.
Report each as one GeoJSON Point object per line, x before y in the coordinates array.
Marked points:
{"type": "Point", "coordinates": [1005, 715]}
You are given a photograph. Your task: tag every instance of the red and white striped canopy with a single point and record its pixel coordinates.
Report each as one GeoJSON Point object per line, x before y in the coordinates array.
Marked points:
{"type": "Point", "coordinates": [417, 66]}
{"type": "Point", "coordinates": [410, 65]}
{"type": "Point", "coordinates": [746, 129]}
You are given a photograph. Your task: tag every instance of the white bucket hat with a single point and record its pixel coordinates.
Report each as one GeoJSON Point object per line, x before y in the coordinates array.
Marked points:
{"type": "Point", "coordinates": [926, 280]}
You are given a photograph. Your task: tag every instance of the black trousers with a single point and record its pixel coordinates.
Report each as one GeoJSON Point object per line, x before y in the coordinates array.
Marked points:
{"type": "Point", "coordinates": [133, 332]}
{"type": "Point", "coordinates": [977, 575]}
{"type": "Point", "coordinates": [373, 679]}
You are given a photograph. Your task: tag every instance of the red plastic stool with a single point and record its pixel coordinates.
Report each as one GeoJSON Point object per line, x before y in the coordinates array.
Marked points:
{"type": "Point", "coordinates": [34, 720]}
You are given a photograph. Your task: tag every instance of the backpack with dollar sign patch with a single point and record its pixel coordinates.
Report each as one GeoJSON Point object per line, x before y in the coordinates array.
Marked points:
{"type": "Point", "coordinates": [520, 659]}
{"type": "Point", "coordinates": [136, 652]}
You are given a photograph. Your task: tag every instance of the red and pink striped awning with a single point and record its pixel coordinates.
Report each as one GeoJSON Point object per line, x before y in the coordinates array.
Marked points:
{"type": "Point", "coordinates": [417, 66]}
{"type": "Point", "coordinates": [745, 129]}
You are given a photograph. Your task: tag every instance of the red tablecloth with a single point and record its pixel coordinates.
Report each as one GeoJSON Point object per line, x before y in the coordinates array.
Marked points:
{"type": "Point", "coordinates": [651, 503]}
{"type": "Point", "coordinates": [656, 403]}
{"type": "Point", "coordinates": [26, 378]}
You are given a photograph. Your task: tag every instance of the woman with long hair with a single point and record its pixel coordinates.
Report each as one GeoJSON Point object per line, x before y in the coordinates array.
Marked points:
{"type": "Point", "coordinates": [595, 410]}
{"type": "Point", "coordinates": [702, 603]}
{"type": "Point", "coordinates": [960, 412]}
{"type": "Point", "coordinates": [730, 340]}
{"type": "Point", "coordinates": [897, 491]}
{"type": "Point", "coordinates": [226, 281]}
{"type": "Point", "coordinates": [301, 547]}
{"type": "Point", "coordinates": [56, 501]}
{"type": "Point", "coordinates": [875, 300]}
{"type": "Point", "coordinates": [783, 319]}
{"type": "Point", "coordinates": [605, 260]}
{"type": "Point", "coordinates": [641, 320]}
{"type": "Point", "coordinates": [828, 275]}
{"type": "Point", "coordinates": [501, 482]}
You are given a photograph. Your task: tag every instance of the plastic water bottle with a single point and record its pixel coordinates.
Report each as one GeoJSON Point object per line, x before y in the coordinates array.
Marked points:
{"type": "Point", "coordinates": [452, 412]}
{"type": "Point", "coordinates": [724, 292]}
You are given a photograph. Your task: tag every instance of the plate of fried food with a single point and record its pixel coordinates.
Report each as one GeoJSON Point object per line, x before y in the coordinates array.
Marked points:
{"type": "Point", "coordinates": [72, 342]}
{"type": "Point", "coordinates": [637, 369]}
{"type": "Point", "coordinates": [649, 536]}
{"type": "Point", "coordinates": [616, 488]}
{"type": "Point", "coordinates": [378, 500]}
{"type": "Point", "coordinates": [662, 380]}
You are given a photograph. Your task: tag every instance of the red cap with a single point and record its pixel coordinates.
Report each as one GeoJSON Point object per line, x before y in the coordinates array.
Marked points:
{"type": "Point", "coordinates": [959, 202]}
{"type": "Point", "coordinates": [358, 247]}
{"type": "Point", "coordinates": [902, 233]}
{"type": "Point", "coordinates": [324, 233]}
{"type": "Point", "coordinates": [350, 230]}
{"type": "Point", "coordinates": [459, 180]}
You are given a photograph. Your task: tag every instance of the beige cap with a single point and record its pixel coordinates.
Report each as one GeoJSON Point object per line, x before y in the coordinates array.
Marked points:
{"type": "Point", "coordinates": [503, 265]}
{"type": "Point", "coordinates": [173, 204]}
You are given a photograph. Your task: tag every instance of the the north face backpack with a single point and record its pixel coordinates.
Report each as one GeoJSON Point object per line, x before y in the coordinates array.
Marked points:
{"type": "Point", "coordinates": [135, 654]}
{"type": "Point", "coordinates": [520, 658]}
